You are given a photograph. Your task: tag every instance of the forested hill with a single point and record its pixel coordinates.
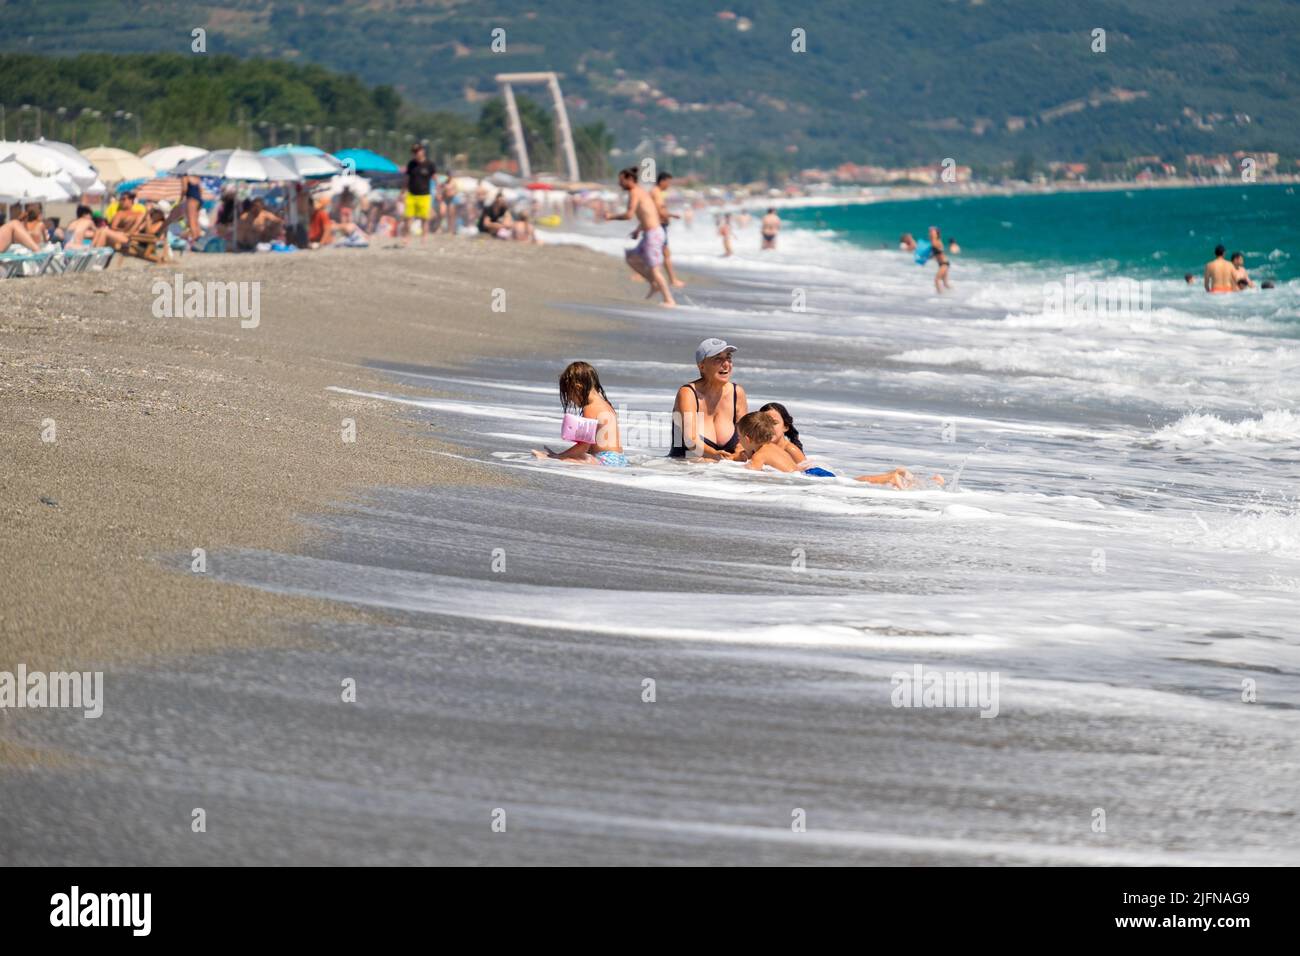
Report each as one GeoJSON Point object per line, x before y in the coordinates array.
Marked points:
{"type": "Point", "coordinates": [894, 83]}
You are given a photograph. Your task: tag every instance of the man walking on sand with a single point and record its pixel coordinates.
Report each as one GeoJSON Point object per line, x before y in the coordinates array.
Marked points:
{"type": "Point", "coordinates": [1219, 275]}
{"type": "Point", "coordinates": [660, 196]}
{"type": "Point", "coordinates": [419, 174]}
{"type": "Point", "coordinates": [647, 256]}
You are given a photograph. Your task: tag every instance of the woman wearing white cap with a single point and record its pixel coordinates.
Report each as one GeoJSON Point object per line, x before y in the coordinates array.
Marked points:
{"type": "Point", "coordinates": [707, 409]}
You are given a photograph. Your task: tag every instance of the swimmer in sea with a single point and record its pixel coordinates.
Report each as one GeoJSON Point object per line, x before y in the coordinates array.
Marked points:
{"type": "Point", "coordinates": [1219, 276]}
{"type": "Point", "coordinates": [1239, 273]}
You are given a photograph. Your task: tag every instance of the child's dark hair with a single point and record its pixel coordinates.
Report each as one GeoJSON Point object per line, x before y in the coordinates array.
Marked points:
{"type": "Point", "coordinates": [757, 429]}
{"type": "Point", "coordinates": [791, 433]}
{"type": "Point", "coordinates": [577, 382]}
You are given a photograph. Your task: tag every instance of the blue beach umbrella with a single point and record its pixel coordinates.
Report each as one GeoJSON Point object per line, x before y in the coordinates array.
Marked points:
{"type": "Point", "coordinates": [365, 161]}
{"type": "Point", "coordinates": [129, 184]}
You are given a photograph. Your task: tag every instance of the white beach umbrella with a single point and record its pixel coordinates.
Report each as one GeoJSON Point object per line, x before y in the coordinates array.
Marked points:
{"type": "Point", "coordinates": [17, 184]}
{"type": "Point", "coordinates": [169, 157]}
{"type": "Point", "coordinates": [82, 170]}
{"type": "Point", "coordinates": [117, 165]}
{"type": "Point", "coordinates": [241, 164]}
{"type": "Point", "coordinates": [38, 160]}
{"type": "Point", "coordinates": [357, 185]}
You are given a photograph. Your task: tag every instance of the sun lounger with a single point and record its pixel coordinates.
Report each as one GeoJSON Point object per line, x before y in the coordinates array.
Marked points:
{"type": "Point", "coordinates": [26, 264]}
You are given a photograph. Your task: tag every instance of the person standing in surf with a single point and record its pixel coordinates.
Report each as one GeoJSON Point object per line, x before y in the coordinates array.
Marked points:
{"type": "Point", "coordinates": [647, 257]}
{"type": "Point", "coordinates": [660, 196]}
{"type": "Point", "coordinates": [707, 409]}
{"type": "Point", "coordinates": [941, 257]}
{"type": "Point", "coordinates": [1219, 274]}
{"type": "Point", "coordinates": [770, 226]}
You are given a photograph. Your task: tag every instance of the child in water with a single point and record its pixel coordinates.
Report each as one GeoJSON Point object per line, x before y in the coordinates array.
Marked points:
{"type": "Point", "coordinates": [582, 394]}
{"type": "Point", "coordinates": [784, 450]}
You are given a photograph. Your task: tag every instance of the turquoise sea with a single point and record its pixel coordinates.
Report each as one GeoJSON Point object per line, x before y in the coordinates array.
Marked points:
{"type": "Point", "coordinates": [1137, 233]}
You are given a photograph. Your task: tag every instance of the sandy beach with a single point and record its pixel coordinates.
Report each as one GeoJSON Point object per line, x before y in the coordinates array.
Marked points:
{"type": "Point", "coordinates": [176, 434]}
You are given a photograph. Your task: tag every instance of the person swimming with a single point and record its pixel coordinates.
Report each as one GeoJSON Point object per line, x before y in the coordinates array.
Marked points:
{"type": "Point", "coordinates": [708, 408]}
{"type": "Point", "coordinates": [582, 393]}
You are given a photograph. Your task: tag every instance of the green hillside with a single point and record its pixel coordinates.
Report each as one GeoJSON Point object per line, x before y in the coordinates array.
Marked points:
{"type": "Point", "coordinates": [983, 81]}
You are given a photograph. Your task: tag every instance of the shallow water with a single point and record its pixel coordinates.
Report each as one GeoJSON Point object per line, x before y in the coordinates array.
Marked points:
{"type": "Point", "coordinates": [1118, 542]}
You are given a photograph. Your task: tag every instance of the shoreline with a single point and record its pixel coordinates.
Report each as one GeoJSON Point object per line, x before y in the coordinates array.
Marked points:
{"type": "Point", "coordinates": [983, 190]}
{"type": "Point", "coordinates": [176, 434]}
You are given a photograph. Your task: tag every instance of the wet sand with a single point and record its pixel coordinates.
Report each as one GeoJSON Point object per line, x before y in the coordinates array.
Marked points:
{"type": "Point", "coordinates": [177, 434]}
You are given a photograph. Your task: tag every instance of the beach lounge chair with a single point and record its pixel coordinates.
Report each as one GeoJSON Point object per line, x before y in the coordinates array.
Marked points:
{"type": "Point", "coordinates": [25, 264]}
{"type": "Point", "coordinates": [103, 255]}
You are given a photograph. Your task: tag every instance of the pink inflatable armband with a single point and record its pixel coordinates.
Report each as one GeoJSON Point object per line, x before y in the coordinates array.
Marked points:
{"type": "Point", "coordinates": [576, 428]}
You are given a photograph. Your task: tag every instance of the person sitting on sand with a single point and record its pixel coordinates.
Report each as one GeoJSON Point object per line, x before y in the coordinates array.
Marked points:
{"type": "Point", "coordinates": [320, 231]}
{"type": "Point", "coordinates": [707, 409]}
{"type": "Point", "coordinates": [1219, 274]}
{"type": "Point", "coordinates": [786, 437]}
{"type": "Point", "coordinates": [495, 219]}
{"type": "Point", "coordinates": [522, 230]}
{"type": "Point", "coordinates": [581, 393]}
{"type": "Point", "coordinates": [1239, 273]}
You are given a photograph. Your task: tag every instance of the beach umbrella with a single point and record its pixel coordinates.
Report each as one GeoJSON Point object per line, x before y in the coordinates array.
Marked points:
{"type": "Point", "coordinates": [169, 157]}
{"type": "Point", "coordinates": [82, 170]}
{"type": "Point", "coordinates": [364, 161]}
{"type": "Point", "coordinates": [502, 178]}
{"type": "Point", "coordinates": [309, 162]}
{"type": "Point", "coordinates": [115, 165]}
{"type": "Point", "coordinates": [128, 184]}
{"type": "Point", "coordinates": [357, 185]}
{"type": "Point", "coordinates": [18, 184]}
{"type": "Point", "coordinates": [240, 164]}
{"type": "Point", "coordinates": [164, 187]}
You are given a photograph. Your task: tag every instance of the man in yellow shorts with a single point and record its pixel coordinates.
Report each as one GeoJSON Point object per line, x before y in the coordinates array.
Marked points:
{"type": "Point", "coordinates": [419, 174]}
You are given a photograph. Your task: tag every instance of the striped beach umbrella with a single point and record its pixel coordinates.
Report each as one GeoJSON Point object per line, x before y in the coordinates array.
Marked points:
{"type": "Point", "coordinates": [164, 187]}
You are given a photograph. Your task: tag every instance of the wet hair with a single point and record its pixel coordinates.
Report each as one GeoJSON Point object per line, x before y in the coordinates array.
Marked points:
{"type": "Point", "coordinates": [1188, 277]}
{"type": "Point", "coordinates": [83, 211]}
{"type": "Point", "coordinates": [771, 209]}
{"type": "Point", "coordinates": [1266, 284]}
{"type": "Point", "coordinates": [659, 180]}
{"type": "Point", "coordinates": [791, 433]}
{"type": "Point", "coordinates": [1243, 284]}
{"type": "Point", "coordinates": [757, 429]}
{"type": "Point", "coordinates": [577, 382]}
{"type": "Point", "coordinates": [1219, 250]}
{"type": "Point", "coordinates": [1237, 255]}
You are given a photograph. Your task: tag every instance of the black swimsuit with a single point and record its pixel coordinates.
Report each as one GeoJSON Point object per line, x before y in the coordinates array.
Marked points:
{"type": "Point", "coordinates": [679, 451]}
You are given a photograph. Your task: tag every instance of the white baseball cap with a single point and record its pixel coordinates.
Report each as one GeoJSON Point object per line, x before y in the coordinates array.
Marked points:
{"type": "Point", "coordinates": [711, 347]}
